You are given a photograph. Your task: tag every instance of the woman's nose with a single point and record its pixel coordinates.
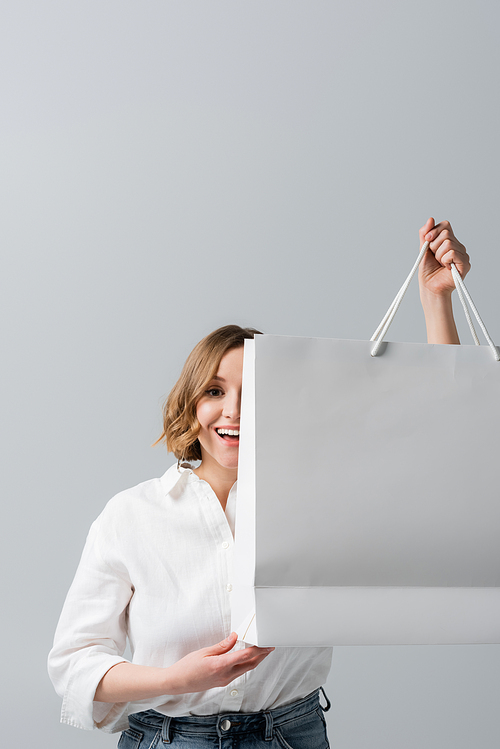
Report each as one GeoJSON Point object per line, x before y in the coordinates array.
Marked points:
{"type": "Point", "coordinates": [231, 408]}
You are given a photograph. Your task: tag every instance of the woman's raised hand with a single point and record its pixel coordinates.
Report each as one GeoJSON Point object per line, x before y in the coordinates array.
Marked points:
{"type": "Point", "coordinates": [436, 280]}
{"type": "Point", "coordinates": [215, 666]}
{"type": "Point", "coordinates": [444, 248]}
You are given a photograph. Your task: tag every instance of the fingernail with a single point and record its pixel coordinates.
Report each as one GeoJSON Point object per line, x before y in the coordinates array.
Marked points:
{"type": "Point", "coordinates": [428, 237]}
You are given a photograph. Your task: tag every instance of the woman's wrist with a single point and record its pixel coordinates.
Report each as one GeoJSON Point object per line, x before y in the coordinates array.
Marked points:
{"type": "Point", "coordinates": [439, 320]}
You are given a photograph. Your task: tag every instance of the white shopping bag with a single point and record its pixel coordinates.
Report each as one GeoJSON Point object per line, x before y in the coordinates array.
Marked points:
{"type": "Point", "coordinates": [368, 503]}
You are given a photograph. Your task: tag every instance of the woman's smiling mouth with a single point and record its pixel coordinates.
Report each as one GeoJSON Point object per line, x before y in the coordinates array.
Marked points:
{"type": "Point", "coordinates": [228, 434]}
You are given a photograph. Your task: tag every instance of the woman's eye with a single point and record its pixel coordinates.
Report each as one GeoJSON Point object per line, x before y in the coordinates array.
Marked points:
{"type": "Point", "coordinates": [214, 392]}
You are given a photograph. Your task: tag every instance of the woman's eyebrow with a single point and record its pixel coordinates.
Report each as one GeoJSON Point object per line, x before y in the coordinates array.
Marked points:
{"type": "Point", "coordinates": [219, 379]}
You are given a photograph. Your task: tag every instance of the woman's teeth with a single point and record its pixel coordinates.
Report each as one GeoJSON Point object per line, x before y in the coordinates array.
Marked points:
{"type": "Point", "coordinates": [229, 432]}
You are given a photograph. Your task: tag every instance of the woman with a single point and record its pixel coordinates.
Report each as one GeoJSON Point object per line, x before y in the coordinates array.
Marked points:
{"type": "Point", "coordinates": [156, 568]}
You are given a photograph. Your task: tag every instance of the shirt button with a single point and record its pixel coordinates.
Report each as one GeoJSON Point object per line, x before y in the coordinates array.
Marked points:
{"type": "Point", "coordinates": [225, 545]}
{"type": "Point", "coordinates": [229, 587]}
{"type": "Point", "coordinates": [234, 692]}
{"type": "Point", "coordinates": [225, 725]}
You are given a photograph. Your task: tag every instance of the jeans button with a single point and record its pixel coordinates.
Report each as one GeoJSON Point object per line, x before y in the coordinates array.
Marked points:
{"type": "Point", "coordinates": [225, 725]}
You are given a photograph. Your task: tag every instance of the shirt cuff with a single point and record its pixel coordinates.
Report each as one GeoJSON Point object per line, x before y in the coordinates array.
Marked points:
{"type": "Point", "coordinates": [79, 709]}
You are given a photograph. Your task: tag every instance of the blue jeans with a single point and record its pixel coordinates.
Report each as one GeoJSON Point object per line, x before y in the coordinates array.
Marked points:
{"type": "Point", "coordinates": [300, 725]}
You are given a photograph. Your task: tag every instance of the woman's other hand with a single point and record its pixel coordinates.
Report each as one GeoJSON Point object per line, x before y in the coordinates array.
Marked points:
{"type": "Point", "coordinates": [444, 248]}
{"type": "Point", "coordinates": [216, 666]}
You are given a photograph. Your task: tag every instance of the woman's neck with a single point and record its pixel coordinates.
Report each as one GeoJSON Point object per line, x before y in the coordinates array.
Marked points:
{"type": "Point", "coordinates": [220, 479]}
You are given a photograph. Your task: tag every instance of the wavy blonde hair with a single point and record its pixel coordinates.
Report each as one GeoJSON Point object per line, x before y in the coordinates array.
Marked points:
{"type": "Point", "coordinates": [180, 424]}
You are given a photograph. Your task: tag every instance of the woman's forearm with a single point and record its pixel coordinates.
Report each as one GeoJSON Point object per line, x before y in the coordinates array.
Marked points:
{"type": "Point", "coordinates": [439, 320]}
{"type": "Point", "coordinates": [215, 666]}
{"type": "Point", "coordinates": [126, 682]}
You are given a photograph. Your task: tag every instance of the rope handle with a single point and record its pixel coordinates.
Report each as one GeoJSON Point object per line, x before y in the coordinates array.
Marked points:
{"type": "Point", "coordinates": [463, 295]}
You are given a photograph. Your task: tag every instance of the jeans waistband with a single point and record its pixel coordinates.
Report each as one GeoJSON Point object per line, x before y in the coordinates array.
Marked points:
{"type": "Point", "coordinates": [235, 723]}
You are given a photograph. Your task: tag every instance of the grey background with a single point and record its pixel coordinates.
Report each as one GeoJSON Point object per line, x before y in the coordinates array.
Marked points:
{"type": "Point", "coordinates": [168, 167]}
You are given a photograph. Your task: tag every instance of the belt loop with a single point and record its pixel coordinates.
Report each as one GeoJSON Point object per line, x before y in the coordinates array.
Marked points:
{"type": "Point", "coordinates": [269, 726]}
{"type": "Point", "coordinates": [165, 729]}
{"type": "Point", "coordinates": [328, 703]}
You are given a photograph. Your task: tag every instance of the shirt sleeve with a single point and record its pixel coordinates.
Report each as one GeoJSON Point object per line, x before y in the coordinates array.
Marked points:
{"type": "Point", "coordinates": [91, 634]}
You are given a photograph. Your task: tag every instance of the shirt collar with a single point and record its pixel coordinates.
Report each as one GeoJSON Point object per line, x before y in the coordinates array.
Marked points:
{"type": "Point", "coordinates": [173, 475]}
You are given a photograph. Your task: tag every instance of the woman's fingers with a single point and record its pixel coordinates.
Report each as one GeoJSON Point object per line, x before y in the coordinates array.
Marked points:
{"type": "Point", "coordinates": [433, 233]}
{"type": "Point", "coordinates": [447, 254]}
{"type": "Point", "coordinates": [222, 647]}
{"type": "Point", "coordinates": [446, 247]}
{"type": "Point", "coordinates": [228, 667]}
{"type": "Point", "coordinates": [246, 659]}
{"type": "Point", "coordinates": [426, 228]}
{"type": "Point", "coordinates": [231, 663]}
{"type": "Point", "coordinates": [235, 656]}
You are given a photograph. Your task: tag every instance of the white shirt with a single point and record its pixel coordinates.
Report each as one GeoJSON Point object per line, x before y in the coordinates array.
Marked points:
{"type": "Point", "coordinates": [157, 568]}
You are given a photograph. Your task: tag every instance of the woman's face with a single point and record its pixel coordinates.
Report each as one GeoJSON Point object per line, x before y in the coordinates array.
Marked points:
{"type": "Point", "coordinates": [218, 412]}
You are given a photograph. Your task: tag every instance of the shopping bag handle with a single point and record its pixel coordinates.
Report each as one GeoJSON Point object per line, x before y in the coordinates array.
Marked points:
{"type": "Point", "coordinates": [463, 295]}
